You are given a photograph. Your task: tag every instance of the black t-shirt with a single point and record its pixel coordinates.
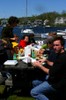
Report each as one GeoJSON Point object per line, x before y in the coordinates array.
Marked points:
{"type": "Point", "coordinates": [57, 73]}
{"type": "Point", "coordinates": [51, 57]}
{"type": "Point", "coordinates": [7, 32]}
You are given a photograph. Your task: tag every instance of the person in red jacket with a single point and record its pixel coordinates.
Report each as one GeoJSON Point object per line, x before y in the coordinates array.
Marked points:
{"type": "Point", "coordinates": [24, 42]}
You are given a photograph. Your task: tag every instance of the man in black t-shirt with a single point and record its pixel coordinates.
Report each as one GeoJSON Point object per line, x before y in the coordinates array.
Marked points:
{"type": "Point", "coordinates": [57, 73]}
{"type": "Point", "coordinates": [7, 31]}
{"type": "Point", "coordinates": [7, 34]}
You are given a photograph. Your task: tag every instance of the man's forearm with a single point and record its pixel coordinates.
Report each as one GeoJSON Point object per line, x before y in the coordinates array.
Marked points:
{"type": "Point", "coordinates": [49, 63]}
{"type": "Point", "coordinates": [46, 70]}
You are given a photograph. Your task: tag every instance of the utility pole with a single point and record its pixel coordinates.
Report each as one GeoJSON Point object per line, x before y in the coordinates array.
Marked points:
{"type": "Point", "coordinates": [26, 7]}
{"type": "Point", "coordinates": [26, 11]}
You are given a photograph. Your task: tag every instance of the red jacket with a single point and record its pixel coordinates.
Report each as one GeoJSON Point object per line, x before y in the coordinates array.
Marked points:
{"type": "Point", "coordinates": [22, 43]}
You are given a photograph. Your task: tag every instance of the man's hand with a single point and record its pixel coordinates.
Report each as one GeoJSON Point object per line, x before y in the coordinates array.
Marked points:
{"type": "Point", "coordinates": [37, 64]}
{"type": "Point", "coordinates": [12, 39]}
{"type": "Point", "coordinates": [42, 60]}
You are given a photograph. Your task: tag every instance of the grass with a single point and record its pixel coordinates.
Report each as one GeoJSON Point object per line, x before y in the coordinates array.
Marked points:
{"type": "Point", "coordinates": [14, 97]}
{"type": "Point", "coordinates": [2, 87]}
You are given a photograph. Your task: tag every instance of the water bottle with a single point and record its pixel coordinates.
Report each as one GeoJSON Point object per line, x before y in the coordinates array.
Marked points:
{"type": "Point", "coordinates": [18, 55]}
{"type": "Point", "coordinates": [33, 54]}
{"type": "Point", "coordinates": [14, 56]}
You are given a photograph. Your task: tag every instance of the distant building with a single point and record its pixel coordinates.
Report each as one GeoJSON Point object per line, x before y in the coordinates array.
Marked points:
{"type": "Point", "coordinates": [45, 21]}
{"type": "Point", "coordinates": [60, 20]}
{"type": "Point", "coordinates": [38, 22]}
{"type": "Point", "coordinates": [4, 22]}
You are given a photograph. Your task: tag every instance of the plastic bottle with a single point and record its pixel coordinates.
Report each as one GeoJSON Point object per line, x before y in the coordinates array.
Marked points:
{"type": "Point", "coordinates": [19, 55]}
{"type": "Point", "coordinates": [14, 56]}
{"type": "Point", "coordinates": [33, 54]}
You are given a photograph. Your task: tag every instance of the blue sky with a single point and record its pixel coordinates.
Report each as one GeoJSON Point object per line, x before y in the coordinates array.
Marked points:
{"type": "Point", "coordinates": [35, 7]}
